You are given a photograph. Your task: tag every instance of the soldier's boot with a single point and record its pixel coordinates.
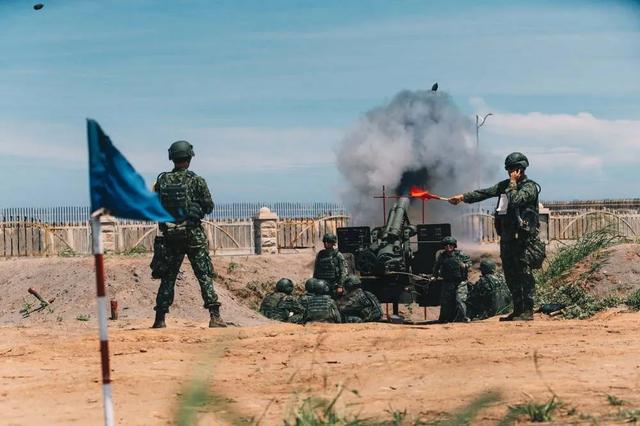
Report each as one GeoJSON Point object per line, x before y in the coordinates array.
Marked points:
{"type": "Point", "coordinates": [511, 316]}
{"type": "Point", "coordinates": [159, 321]}
{"type": "Point", "coordinates": [215, 318]}
{"type": "Point", "coordinates": [527, 315]}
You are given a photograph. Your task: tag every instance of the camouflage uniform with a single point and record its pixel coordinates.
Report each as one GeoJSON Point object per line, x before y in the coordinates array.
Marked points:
{"type": "Point", "coordinates": [488, 297]}
{"type": "Point", "coordinates": [452, 268]}
{"type": "Point", "coordinates": [282, 307]}
{"type": "Point", "coordinates": [187, 236]}
{"type": "Point", "coordinates": [331, 267]}
{"type": "Point", "coordinates": [321, 307]}
{"type": "Point", "coordinates": [359, 305]}
{"type": "Point", "coordinates": [514, 238]}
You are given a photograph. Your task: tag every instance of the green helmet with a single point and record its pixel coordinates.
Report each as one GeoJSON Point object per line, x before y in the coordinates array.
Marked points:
{"type": "Point", "coordinates": [181, 150]}
{"type": "Point", "coordinates": [449, 240]}
{"type": "Point", "coordinates": [321, 287]}
{"type": "Point", "coordinates": [329, 238]}
{"type": "Point", "coordinates": [487, 266]}
{"type": "Point", "coordinates": [310, 285]}
{"type": "Point", "coordinates": [284, 285]}
{"type": "Point", "coordinates": [352, 281]}
{"type": "Point", "coordinates": [516, 159]}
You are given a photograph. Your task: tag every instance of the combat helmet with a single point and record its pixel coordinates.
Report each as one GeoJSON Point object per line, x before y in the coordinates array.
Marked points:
{"type": "Point", "coordinates": [310, 285]}
{"type": "Point", "coordinates": [284, 285]}
{"type": "Point", "coordinates": [516, 159]}
{"type": "Point", "coordinates": [181, 150]}
{"type": "Point", "coordinates": [321, 288]}
{"type": "Point", "coordinates": [351, 282]}
{"type": "Point", "coordinates": [487, 266]}
{"type": "Point", "coordinates": [329, 238]}
{"type": "Point", "coordinates": [449, 240]}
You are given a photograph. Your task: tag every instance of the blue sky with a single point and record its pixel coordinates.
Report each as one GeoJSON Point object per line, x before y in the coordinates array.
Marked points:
{"type": "Point", "coordinates": [266, 90]}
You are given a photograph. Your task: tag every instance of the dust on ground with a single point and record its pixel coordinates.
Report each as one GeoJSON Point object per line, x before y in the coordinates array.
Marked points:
{"type": "Point", "coordinates": [50, 366]}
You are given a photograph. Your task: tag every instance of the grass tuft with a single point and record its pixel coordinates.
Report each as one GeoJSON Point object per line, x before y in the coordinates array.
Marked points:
{"type": "Point", "coordinates": [534, 412]}
{"type": "Point", "coordinates": [633, 301]}
{"type": "Point", "coordinates": [552, 285]}
{"type": "Point", "coordinates": [614, 400]}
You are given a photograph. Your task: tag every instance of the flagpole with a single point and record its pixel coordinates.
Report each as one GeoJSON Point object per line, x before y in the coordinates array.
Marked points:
{"type": "Point", "coordinates": [96, 240]}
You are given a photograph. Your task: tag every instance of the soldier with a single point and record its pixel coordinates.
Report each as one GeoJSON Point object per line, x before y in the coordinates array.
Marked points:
{"type": "Point", "coordinates": [489, 296]}
{"type": "Point", "coordinates": [517, 225]}
{"type": "Point", "coordinates": [452, 266]}
{"type": "Point", "coordinates": [321, 307]}
{"type": "Point", "coordinates": [330, 265]}
{"type": "Point", "coordinates": [358, 305]}
{"type": "Point", "coordinates": [186, 196]}
{"type": "Point", "coordinates": [281, 305]}
{"type": "Point", "coordinates": [309, 288]}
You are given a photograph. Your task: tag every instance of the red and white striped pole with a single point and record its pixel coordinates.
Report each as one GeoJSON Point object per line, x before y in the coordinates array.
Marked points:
{"type": "Point", "coordinates": [102, 316]}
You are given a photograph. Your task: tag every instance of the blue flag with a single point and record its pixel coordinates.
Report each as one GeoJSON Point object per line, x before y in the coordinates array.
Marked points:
{"type": "Point", "coordinates": [115, 185]}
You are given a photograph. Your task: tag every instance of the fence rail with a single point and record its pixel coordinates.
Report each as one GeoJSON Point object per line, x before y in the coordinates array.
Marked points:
{"type": "Point", "coordinates": [223, 211]}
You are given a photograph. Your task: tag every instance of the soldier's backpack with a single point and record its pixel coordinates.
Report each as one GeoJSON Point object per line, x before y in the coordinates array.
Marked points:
{"type": "Point", "coordinates": [270, 307]}
{"type": "Point", "coordinates": [174, 193]}
{"type": "Point", "coordinates": [374, 310]}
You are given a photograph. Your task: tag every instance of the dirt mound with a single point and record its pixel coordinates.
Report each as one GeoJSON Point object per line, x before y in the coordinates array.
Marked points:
{"type": "Point", "coordinates": [613, 272]}
{"type": "Point", "coordinates": [241, 283]}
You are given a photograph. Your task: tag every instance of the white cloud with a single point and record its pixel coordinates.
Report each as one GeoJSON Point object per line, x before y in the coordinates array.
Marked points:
{"type": "Point", "coordinates": [575, 141]}
{"type": "Point", "coordinates": [217, 148]}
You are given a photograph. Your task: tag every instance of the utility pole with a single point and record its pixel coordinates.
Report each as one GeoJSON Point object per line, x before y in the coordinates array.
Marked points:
{"type": "Point", "coordinates": [478, 125]}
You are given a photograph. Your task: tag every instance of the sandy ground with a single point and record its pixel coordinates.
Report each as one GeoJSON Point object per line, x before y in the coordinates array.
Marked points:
{"type": "Point", "coordinates": [51, 375]}
{"type": "Point", "coordinates": [261, 370]}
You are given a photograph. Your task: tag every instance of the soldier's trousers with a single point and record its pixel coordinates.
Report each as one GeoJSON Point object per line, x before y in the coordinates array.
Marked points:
{"type": "Point", "coordinates": [196, 248]}
{"type": "Point", "coordinates": [518, 275]}
{"type": "Point", "coordinates": [453, 301]}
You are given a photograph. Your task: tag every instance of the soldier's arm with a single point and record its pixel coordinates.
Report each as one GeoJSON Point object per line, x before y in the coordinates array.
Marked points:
{"type": "Point", "coordinates": [343, 272]}
{"type": "Point", "coordinates": [336, 312]}
{"type": "Point", "coordinates": [204, 195]}
{"type": "Point", "coordinates": [483, 194]}
{"type": "Point", "coordinates": [465, 260]}
{"type": "Point", "coordinates": [523, 196]}
{"type": "Point", "coordinates": [437, 264]}
{"type": "Point", "coordinates": [292, 305]}
{"type": "Point", "coordinates": [347, 304]}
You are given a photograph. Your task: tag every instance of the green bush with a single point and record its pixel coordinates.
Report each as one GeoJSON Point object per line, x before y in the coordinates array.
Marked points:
{"type": "Point", "coordinates": [633, 301]}
{"type": "Point", "coordinates": [551, 282]}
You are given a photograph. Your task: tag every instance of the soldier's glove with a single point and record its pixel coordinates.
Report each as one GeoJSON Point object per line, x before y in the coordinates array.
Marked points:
{"type": "Point", "coordinates": [194, 212]}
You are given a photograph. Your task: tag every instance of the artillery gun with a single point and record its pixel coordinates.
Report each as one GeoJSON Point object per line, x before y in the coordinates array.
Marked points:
{"type": "Point", "coordinates": [388, 265]}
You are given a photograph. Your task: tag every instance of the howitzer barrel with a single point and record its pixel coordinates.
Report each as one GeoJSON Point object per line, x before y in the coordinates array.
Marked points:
{"type": "Point", "coordinates": [396, 218]}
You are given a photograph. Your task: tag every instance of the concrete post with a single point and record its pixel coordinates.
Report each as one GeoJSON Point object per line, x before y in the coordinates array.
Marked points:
{"type": "Point", "coordinates": [108, 233]}
{"type": "Point", "coordinates": [265, 225]}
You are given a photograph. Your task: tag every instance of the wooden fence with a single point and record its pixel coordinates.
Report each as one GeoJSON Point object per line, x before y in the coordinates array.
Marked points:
{"type": "Point", "coordinates": [27, 238]}
{"type": "Point", "coordinates": [307, 233]}
{"type": "Point", "coordinates": [478, 226]}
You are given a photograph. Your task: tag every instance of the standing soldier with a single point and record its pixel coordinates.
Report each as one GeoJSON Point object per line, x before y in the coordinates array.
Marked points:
{"type": "Point", "coordinates": [489, 296]}
{"type": "Point", "coordinates": [186, 196]}
{"type": "Point", "coordinates": [330, 265]}
{"type": "Point", "coordinates": [452, 266]}
{"type": "Point", "coordinates": [358, 305]}
{"type": "Point", "coordinates": [517, 225]}
{"type": "Point", "coordinates": [281, 305]}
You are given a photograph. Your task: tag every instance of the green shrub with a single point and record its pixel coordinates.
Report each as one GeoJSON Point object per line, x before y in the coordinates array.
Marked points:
{"type": "Point", "coordinates": [633, 301]}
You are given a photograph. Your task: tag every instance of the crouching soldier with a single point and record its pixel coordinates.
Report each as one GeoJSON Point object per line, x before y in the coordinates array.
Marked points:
{"type": "Point", "coordinates": [489, 296]}
{"type": "Point", "coordinates": [281, 305]}
{"type": "Point", "coordinates": [452, 266]}
{"type": "Point", "coordinates": [321, 307]}
{"type": "Point", "coordinates": [309, 292]}
{"type": "Point", "coordinates": [358, 305]}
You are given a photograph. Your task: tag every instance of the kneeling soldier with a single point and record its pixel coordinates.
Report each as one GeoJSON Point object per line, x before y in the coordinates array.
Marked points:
{"type": "Point", "coordinates": [321, 307]}
{"type": "Point", "coordinates": [452, 266]}
{"type": "Point", "coordinates": [281, 305]}
{"type": "Point", "coordinates": [358, 305]}
{"type": "Point", "coordinates": [489, 296]}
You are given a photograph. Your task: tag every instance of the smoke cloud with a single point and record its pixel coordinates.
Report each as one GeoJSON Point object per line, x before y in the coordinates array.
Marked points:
{"type": "Point", "coordinates": [419, 138]}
